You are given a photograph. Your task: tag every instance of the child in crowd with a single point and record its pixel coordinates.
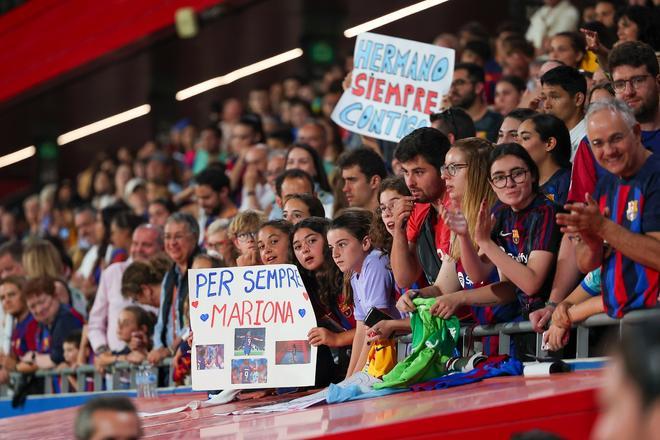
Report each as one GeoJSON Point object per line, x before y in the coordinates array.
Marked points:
{"type": "Point", "coordinates": [300, 206]}
{"type": "Point", "coordinates": [243, 231]}
{"type": "Point", "coordinates": [273, 241]}
{"type": "Point", "coordinates": [546, 139]}
{"type": "Point", "coordinates": [135, 329]}
{"type": "Point", "coordinates": [73, 352]}
{"type": "Point", "coordinates": [323, 281]}
{"type": "Point", "coordinates": [391, 189]}
{"type": "Point", "coordinates": [371, 279]}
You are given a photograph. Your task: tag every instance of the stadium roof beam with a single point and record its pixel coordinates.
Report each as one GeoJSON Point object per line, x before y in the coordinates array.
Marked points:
{"type": "Point", "coordinates": [238, 74]}
{"type": "Point", "coordinates": [103, 124]}
{"type": "Point", "coordinates": [391, 17]}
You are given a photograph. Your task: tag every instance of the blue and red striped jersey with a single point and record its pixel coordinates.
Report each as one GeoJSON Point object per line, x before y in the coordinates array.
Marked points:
{"type": "Point", "coordinates": [24, 336]}
{"type": "Point", "coordinates": [519, 233]}
{"type": "Point", "coordinates": [634, 204]}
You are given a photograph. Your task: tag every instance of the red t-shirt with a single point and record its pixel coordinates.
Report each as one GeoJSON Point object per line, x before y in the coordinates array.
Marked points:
{"type": "Point", "coordinates": [416, 221]}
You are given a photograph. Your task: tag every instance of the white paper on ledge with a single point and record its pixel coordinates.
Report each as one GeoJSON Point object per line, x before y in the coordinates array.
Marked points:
{"type": "Point", "coordinates": [225, 396]}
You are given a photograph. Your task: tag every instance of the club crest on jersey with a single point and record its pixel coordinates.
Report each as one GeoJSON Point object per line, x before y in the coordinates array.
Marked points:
{"type": "Point", "coordinates": [516, 236]}
{"type": "Point", "coordinates": [633, 209]}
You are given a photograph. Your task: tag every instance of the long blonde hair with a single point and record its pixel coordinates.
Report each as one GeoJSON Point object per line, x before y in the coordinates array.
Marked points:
{"type": "Point", "coordinates": [477, 188]}
{"type": "Point", "coordinates": [41, 258]}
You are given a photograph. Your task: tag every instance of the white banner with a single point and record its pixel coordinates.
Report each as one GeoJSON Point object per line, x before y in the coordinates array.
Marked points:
{"type": "Point", "coordinates": [250, 328]}
{"type": "Point", "coordinates": [395, 85]}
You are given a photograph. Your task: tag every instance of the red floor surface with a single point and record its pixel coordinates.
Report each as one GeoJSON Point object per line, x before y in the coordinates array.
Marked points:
{"type": "Point", "coordinates": [496, 408]}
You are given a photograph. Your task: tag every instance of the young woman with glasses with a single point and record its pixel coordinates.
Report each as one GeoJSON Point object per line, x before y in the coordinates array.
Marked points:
{"type": "Point", "coordinates": [520, 238]}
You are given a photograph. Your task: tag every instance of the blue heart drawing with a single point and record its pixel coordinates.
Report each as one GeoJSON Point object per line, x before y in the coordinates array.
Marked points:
{"type": "Point", "coordinates": [204, 316]}
{"type": "Point", "coordinates": [301, 312]}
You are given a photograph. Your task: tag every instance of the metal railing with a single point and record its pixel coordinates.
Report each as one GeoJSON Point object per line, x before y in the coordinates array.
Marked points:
{"type": "Point", "coordinates": [122, 370]}
{"type": "Point", "coordinates": [506, 330]}
{"type": "Point", "coordinates": [111, 378]}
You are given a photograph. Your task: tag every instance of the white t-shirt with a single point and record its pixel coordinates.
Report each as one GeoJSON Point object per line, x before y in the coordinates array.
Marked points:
{"type": "Point", "coordinates": [577, 133]}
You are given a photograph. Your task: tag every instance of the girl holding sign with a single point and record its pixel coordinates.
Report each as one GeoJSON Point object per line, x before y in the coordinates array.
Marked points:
{"type": "Point", "coordinates": [323, 281]}
{"type": "Point", "coordinates": [371, 277]}
{"type": "Point", "coordinates": [273, 242]}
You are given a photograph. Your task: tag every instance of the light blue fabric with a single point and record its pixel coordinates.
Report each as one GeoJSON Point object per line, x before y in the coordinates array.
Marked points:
{"type": "Point", "coordinates": [591, 282]}
{"type": "Point", "coordinates": [338, 394]}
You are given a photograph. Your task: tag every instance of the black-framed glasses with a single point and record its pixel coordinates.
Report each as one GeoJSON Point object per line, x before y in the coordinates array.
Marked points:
{"type": "Point", "coordinates": [452, 168]}
{"type": "Point", "coordinates": [636, 82]}
{"type": "Point", "coordinates": [517, 175]}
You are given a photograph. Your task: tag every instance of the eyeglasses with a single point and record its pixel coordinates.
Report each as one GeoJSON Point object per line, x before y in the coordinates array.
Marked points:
{"type": "Point", "coordinates": [245, 236]}
{"type": "Point", "coordinates": [389, 208]}
{"type": "Point", "coordinates": [452, 168]}
{"type": "Point", "coordinates": [518, 175]}
{"type": "Point", "coordinates": [636, 82]}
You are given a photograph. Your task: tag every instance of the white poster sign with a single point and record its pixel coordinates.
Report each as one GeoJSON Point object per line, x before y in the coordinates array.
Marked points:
{"type": "Point", "coordinates": [395, 85]}
{"type": "Point", "coordinates": [250, 328]}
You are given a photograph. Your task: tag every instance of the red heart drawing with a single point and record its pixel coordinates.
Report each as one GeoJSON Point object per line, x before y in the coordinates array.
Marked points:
{"type": "Point", "coordinates": [306, 296]}
{"type": "Point", "coordinates": [195, 304]}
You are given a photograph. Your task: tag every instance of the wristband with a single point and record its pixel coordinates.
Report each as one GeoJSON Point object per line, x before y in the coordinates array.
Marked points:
{"type": "Point", "coordinates": [251, 193]}
{"type": "Point", "coordinates": [412, 294]}
{"type": "Point", "coordinates": [102, 349]}
{"type": "Point", "coordinates": [551, 304]}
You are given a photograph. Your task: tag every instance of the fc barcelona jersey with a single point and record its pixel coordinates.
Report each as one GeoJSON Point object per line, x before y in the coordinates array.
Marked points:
{"type": "Point", "coordinates": [634, 204]}
{"type": "Point", "coordinates": [519, 233]}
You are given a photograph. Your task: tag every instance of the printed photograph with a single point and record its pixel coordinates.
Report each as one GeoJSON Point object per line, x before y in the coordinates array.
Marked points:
{"type": "Point", "coordinates": [292, 352]}
{"type": "Point", "coordinates": [249, 341]}
{"type": "Point", "coordinates": [210, 357]}
{"type": "Point", "coordinates": [249, 371]}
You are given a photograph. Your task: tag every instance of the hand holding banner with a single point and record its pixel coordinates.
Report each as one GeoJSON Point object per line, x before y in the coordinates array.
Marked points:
{"type": "Point", "coordinates": [395, 85]}
{"type": "Point", "coordinates": [250, 325]}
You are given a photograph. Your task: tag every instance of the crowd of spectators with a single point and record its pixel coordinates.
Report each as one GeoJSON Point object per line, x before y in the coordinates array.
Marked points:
{"type": "Point", "coordinates": [534, 195]}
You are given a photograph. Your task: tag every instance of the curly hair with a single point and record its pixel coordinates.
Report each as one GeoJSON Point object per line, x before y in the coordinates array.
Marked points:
{"type": "Point", "coordinates": [380, 238]}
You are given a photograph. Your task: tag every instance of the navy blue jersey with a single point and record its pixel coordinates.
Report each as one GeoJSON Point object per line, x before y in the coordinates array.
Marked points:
{"type": "Point", "coordinates": [556, 188]}
{"type": "Point", "coordinates": [50, 338]}
{"type": "Point", "coordinates": [519, 233]}
{"type": "Point", "coordinates": [634, 203]}
{"type": "Point", "coordinates": [651, 140]}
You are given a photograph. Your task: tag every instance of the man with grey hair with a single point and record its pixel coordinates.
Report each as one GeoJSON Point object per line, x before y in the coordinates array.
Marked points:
{"type": "Point", "coordinates": [618, 228]}
{"type": "Point", "coordinates": [109, 302]}
{"type": "Point", "coordinates": [181, 232]}
{"type": "Point", "coordinates": [108, 417]}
